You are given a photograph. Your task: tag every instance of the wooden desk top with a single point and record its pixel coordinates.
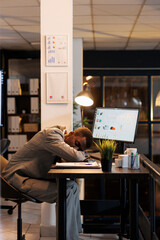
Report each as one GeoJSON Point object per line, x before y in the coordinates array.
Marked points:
{"type": "Point", "coordinates": [97, 173]}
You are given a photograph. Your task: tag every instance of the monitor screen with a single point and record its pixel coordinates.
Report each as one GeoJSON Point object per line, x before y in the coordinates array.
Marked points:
{"type": "Point", "coordinates": [118, 124]}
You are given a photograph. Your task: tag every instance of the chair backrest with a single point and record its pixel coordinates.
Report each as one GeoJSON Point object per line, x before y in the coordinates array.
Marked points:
{"type": "Point", "coordinates": [6, 189]}
{"type": "Point", "coordinates": [9, 192]}
{"type": "Point", "coordinates": [3, 163]}
{"type": "Point", "coordinates": [4, 144]}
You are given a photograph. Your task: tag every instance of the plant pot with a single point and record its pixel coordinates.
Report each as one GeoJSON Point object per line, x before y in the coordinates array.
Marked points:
{"type": "Point", "coordinates": [106, 165]}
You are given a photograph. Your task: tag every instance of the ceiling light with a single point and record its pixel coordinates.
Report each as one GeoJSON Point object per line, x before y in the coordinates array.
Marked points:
{"type": "Point", "coordinates": [35, 43]}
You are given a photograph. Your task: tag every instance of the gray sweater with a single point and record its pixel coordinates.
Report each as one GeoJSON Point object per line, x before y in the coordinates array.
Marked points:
{"type": "Point", "coordinates": [35, 158]}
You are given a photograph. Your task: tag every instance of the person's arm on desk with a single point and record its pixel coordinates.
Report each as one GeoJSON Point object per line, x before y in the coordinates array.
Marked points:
{"type": "Point", "coordinates": [69, 146]}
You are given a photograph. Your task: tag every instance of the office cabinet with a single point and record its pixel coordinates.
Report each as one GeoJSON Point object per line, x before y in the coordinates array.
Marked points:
{"type": "Point", "coordinates": [23, 102]}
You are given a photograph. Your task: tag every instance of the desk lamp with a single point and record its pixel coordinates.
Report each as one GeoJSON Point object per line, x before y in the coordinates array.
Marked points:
{"type": "Point", "coordinates": [84, 99]}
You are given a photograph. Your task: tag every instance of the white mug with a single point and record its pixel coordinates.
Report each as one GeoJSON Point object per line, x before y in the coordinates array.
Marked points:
{"type": "Point", "coordinates": [118, 162]}
{"type": "Point", "coordinates": [124, 158]}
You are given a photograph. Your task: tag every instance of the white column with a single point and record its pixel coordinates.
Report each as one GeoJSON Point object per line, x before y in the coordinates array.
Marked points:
{"type": "Point", "coordinates": [77, 65]}
{"type": "Point", "coordinates": [77, 76]}
{"type": "Point", "coordinates": [77, 87]}
{"type": "Point", "coordinates": [56, 19]}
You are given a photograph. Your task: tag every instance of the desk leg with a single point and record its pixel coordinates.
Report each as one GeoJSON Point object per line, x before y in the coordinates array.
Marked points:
{"type": "Point", "coordinates": [61, 209]}
{"type": "Point", "coordinates": [152, 205]}
{"type": "Point", "coordinates": [133, 209]}
{"type": "Point", "coordinates": [123, 217]}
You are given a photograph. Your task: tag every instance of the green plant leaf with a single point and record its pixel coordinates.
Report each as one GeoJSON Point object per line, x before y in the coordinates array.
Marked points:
{"type": "Point", "coordinates": [107, 148]}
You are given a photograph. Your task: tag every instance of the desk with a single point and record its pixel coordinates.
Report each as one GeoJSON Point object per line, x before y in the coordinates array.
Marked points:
{"type": "Point", "coordinates": [133, 176]}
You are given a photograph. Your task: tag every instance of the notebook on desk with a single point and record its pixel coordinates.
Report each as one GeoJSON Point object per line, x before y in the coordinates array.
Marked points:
{"type": "Point", "coordinates": [81, 165]}
{"type": "Point", "coordinates": [95, 155]}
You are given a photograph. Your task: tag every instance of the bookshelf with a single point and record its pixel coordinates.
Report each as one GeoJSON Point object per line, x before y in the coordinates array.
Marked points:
{"type": "Point", "coordinates": [23, 102]}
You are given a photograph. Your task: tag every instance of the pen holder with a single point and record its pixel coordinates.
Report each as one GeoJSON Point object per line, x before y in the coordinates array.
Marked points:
{"type": "Point", "coordinates": [133, 161]}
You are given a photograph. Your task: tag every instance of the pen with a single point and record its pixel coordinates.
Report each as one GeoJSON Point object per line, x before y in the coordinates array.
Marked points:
{"type": "Point", "coordinates": [132, 160]}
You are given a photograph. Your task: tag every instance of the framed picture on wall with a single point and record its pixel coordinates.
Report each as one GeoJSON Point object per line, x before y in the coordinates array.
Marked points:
{"type": "Point", "coordinates": [57, 87]}
{"type": "Point", "coordinates": [56, 50]}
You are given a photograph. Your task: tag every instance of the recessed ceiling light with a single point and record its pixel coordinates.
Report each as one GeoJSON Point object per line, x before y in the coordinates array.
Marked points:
{"type": "Point", "coordinates": [35, 43]}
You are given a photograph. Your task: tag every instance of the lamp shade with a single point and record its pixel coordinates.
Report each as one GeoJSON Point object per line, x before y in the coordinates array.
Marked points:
{"type": "Point", "coordinates": [84, 98]}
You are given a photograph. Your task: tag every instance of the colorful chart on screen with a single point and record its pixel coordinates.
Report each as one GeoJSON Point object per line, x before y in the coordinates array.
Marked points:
{"type": "Point", "coordinates": [115, 123]}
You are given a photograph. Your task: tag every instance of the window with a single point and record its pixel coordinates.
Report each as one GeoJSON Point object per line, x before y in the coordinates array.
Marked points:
{"type": "Point", "coordinates": [155, 118]}
{"type": "Point", "coordinates": [127, 91]}
{"type": "Point", "coordinates": [94, 83]}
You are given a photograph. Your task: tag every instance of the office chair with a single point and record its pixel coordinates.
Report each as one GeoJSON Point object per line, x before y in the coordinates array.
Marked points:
{"type": "Point", "coordinates": [9, 193]}
{"type": "Point", "coordinates": [4, 144]}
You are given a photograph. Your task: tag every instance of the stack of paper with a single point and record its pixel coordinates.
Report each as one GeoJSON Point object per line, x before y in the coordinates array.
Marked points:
{"type": "Point", "coordinates": [93, 164]}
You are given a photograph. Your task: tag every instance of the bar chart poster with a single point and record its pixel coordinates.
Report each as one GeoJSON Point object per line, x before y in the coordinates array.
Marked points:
{"type": "Point", "coordinates": [56, 50]}
{"type": "Point", "coordinates": [57, 87]}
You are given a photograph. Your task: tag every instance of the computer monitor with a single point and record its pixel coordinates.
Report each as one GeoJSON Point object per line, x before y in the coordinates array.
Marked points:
{"type": "Point", "coordinates": [119, 124]}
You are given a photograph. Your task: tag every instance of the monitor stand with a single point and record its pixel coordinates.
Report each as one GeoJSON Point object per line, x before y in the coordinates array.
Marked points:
{"type": "Point", "coordinates": [120, 147]}
{"type": "Point", "coordinates": [124, 147]}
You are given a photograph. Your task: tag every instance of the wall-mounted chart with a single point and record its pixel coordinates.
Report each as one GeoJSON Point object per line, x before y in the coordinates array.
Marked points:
{"type": "Point", "coordinates": [56, 50]}
{"type": "Point", "coordinates": [57, 87]}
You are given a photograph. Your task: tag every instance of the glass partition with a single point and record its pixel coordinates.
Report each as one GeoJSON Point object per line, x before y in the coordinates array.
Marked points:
{"type": "Point", "coordinates": [24, 69]}
{"type": "Point", "coordinates": [1, 82]}
{"type": "Point", "coordinates": [155, 98]}
{"type": "Point", "coordinates": [127, 91]}
{"type": "Point", "coordinates": [142, 139]}
{"type": "Point", "coordinates": [156, 143]}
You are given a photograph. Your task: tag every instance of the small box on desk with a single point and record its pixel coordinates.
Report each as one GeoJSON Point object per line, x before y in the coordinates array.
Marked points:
{"type": "Point", "coordinates": [30, 127]}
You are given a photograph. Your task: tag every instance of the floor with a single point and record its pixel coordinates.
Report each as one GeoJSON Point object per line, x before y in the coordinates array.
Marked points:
{"type": "Point", "coordinates": [31, 224]}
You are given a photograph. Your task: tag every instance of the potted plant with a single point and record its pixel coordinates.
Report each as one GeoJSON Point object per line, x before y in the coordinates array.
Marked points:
{"type": "Point", "coordinates": [107, 149]}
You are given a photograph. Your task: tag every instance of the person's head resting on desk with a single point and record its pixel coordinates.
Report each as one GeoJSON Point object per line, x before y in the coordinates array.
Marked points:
{"type": "Point", "coordinates": [80, 139]}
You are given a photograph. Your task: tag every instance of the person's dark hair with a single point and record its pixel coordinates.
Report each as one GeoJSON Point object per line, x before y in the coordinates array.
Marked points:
{"type": "Point", "coordinates": [85, 132]}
